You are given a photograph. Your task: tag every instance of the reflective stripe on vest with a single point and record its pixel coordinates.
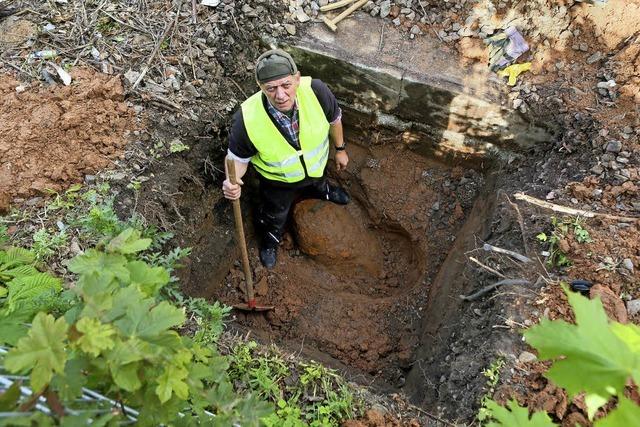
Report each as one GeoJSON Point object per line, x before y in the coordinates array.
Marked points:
{"type": "Point", "coordinates": [276, 158]}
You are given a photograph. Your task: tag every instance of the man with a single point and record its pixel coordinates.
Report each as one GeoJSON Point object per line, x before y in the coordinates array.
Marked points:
{"type": "Point", "coordinates": [285, 130]}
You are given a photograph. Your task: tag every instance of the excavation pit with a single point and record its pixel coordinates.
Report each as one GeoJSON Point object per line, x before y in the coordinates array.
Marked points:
{"type": "Point", "coordinates": [372, 288]}
{"type": "Point", "coordinates": [352, 282]}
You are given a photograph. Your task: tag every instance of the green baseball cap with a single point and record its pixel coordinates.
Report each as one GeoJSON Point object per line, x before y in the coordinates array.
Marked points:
{"type": "Point", "coordinates": [274, 64]}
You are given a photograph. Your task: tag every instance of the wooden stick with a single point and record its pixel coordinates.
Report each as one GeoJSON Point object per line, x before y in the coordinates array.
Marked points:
{"type": "Point", "coordinates": [571, 211]}
{"type": "Point", "coordinates": [490, 248]}
{"type": "Point", "coordinates": [336, 5]}
{"type": "Point", "coordinates": [333, 23]}
{"type": "Point", "coordinates": [474, 296]}
{"type": "Point", "coordinates": [486, 267]}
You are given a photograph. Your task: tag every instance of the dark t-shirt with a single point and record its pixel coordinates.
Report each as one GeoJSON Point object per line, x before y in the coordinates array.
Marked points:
{"type": "Point", "coordinates": [239, 142]}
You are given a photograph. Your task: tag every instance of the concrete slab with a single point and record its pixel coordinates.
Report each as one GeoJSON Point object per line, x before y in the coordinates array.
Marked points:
{"type": "Point", "coordinates": [450, 108]}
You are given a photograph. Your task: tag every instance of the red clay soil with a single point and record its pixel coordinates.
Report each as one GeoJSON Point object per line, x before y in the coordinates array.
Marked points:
{"type": "Point", "coordinates": [363, 310]}
{"type": "Point", "coordinates": [51, 137]}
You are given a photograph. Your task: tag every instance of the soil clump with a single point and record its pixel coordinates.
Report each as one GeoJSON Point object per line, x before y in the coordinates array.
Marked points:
{"type": "Point", "coordinates": [53, 136]}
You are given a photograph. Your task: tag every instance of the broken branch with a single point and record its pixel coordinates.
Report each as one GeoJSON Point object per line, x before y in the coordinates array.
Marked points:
{"type": "Point", "coordinates": [474, 296]}
{"type": "Point", "coordinates": [571, 211]}
{"type": "Point", "coordinates": [490, 248]}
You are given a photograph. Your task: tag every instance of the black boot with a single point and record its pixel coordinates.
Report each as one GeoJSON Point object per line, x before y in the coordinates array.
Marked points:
{"type": "Point", "coordinates": [337, 195]}
{"type": "Point", "coordinates": [268, 257]}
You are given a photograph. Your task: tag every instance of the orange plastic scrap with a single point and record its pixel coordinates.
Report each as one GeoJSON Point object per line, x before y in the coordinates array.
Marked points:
{"type": "Point", "coordinates": [513, 71]}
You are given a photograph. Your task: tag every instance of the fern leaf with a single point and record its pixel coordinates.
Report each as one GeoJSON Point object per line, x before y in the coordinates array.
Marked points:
{"type": "Point", "coordinates": [26, 290]}
{"type": "Point", "coordinates": [21, 271]}
{"type": "Point", "coordinates": [15, 256]}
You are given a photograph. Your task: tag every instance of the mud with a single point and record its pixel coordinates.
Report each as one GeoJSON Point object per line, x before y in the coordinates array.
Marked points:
{"type": "Point", "coordinates": [364, 312]}
{"type": "Point", "coordinates": [52, 137]}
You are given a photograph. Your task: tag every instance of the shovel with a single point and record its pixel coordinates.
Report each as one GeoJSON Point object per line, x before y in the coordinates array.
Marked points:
{"type": "Point", "coordinates": [250, 304]}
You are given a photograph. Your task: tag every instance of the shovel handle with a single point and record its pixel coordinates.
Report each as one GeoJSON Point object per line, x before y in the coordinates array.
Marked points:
{"type": "Point", "coordinates": [237, 213]}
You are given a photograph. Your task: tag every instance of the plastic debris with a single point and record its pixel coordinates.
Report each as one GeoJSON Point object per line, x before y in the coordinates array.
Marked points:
{"type": "Point", "coordinates": [44, 54]}
{"type": "Point", "coordinates": [582, 286]}
{"type": "Point", "coordinates": [513, 71]}
{"type": "Point", "coordinates": [212, 3]}
{"type": "Point", "coordinates": [64, 76]}
{"type": "Point", "coordinates": [505, 47]}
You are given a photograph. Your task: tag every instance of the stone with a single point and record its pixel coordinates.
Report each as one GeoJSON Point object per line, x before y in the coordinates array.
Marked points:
{"type": "Point", "coordinates": [291, 29]}
{"type": "Point", "coordinates": [191, 90]}
{"type": "Point", "coordinates": [595, 57]}
{"type": "Point", "coordinates": [131, 76]}
{"type": "Point", "coordinates": [526, 357]}
{"type": "Point", "coordinates": [614, 146]}
{"type": "Point", "coordinates": [633, 307]}
{"type": "Point", "coordinates": [597, 169]}
{"type": "Point", "coordinates": [613, 305]}
{"type": "Point", "coordinates": [385, 8]}
{"type": "Point", "coordinates": [317, 225]}
{"type": "Point", "coordinates": [302, 16]}
{"type": "Point", "coordinates": [627, 264]}
{"type": "Point", "coordinates": [396, 22]}
{"type": "Point", "coordinates": [416, 30]}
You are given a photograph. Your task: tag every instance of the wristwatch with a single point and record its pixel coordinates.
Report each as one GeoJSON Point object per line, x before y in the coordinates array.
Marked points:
{"type": "Point", "coordinates": [342, 147]}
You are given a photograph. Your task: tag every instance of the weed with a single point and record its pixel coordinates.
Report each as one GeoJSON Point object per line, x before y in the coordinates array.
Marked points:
{"type": "Point", "coordinates": [66, 200]}
{"type": "Point", "coordinates": [562, 229]}
{"type": "Point", "coordinates": [492, 373]}
{"type": "Point", "coordinates": [4, 235]}
{"type": "Point", "coordinates": [209, 318]}
{"type": "Point", "coordinates": [46, 244]}
{"type": "Point", "coordinates": [176, 146]}
{"type": "Point", "coordinates": [134, 185]}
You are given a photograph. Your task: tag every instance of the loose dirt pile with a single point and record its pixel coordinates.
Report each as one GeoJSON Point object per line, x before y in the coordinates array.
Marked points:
{"type": "Point", "coordinates": [51, 137]}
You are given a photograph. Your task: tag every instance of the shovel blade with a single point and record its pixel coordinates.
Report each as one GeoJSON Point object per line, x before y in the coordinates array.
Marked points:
{"type": "Point", "coordinates": [253, 307]}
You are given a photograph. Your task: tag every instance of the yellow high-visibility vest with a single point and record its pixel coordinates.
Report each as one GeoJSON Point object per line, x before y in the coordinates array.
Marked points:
{"type": "Point", "coordinates": [276, 159]}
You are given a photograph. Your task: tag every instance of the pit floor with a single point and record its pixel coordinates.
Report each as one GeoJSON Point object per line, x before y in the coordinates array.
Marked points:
{"type": "Point", "coordinates": [363, 313]}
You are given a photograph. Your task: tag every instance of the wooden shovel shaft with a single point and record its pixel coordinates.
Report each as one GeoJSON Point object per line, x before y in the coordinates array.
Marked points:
{"type": "Point", "coordinates": [336, 5]}
{"type": "Point", "coordinates": [237, 213]}
{"type": "Point", "coordinates": [349, 11]}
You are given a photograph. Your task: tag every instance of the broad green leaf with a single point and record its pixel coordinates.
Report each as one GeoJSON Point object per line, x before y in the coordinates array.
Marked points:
{"type": "Point", "coordinates": [172, 381]}
{"type": "Point", "coordinates": [589, 346]}
{"type": "Point", "coordinates": [3, 292]}
{"type": "Point", "coordinates": [69, 385]}
{"type": "Point", "coordinates": [10, 397]}
{"type": "Point", "coordinates": [128, 242]}
{"type": "Point", "coordinates": [626, 414]}
{"type": "Point", "coordinates": [126, 376]}
{"type": "Point", "coordinates": [93, 261]}
{"type": "Point", "coordinates": [125, 352]}
{"type": "Point", "coordinates": [629, 334]}
{"type": "Point", "coordinates": [42, 351]}
{"type": "Point", "coordinates": [96, 336]}
{"type": "Point", "coordinates": [516, 416]}
{"type": "Point", "coordinates": [149, 279]}
{"type": "Point", "coordinates": [13, 327]}
{"type": "Point", "coordinates": [162, 317]}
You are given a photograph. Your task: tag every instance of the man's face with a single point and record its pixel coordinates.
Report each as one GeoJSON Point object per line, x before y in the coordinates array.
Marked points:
{"type": "Point", "coordinates": [282, 92]}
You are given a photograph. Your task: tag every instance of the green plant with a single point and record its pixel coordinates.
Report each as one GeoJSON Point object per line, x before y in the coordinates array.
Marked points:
{"type": "Point", "coordinates": [608, 351]}
{"type": "Point", "coordinates": [46, 244]}
{"type": "Point", "coordinates": [492, 373]}
{"type": "Point", "coordinates": [23, 291]}
{"type": "Point", "coordinates": [4, 235]}
{"type": "Point", "coordinates": [120, 339]}
{"type": "Point", "coordinates": [66, 200]}
{"type": "Point", "coordinates": [560, 230]}
{"type": "Point", "coordinates": [209, 318]}
{"type": "Point", "coordinates": [177, 146]}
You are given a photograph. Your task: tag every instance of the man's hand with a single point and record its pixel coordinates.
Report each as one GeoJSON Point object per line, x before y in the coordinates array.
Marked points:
{"type": "Point", "coordinates": [231, 191]}
{"type": "Point", "coordinates": [342, 160]}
